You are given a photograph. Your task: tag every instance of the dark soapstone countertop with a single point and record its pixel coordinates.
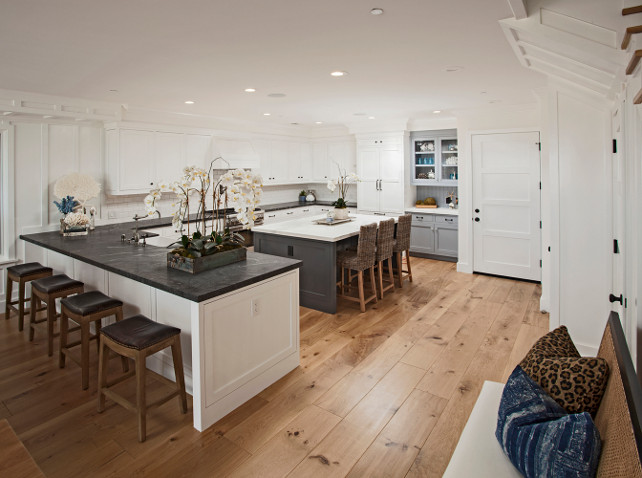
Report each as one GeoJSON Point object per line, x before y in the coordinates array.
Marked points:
{"type": "Point", "coordinates": [103, 248]}
{"type": "Point", "coordinates": [289, 205]}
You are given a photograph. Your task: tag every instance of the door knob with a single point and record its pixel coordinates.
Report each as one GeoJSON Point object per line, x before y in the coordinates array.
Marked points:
{"type": "Point", "coordinates": [613, 298]}
{"type": "Point", "coordinates": [476, 219]}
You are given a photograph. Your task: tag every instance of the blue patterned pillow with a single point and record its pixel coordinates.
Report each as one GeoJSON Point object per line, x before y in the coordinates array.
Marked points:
{"type": "Point", "coordinates": [539, 437]}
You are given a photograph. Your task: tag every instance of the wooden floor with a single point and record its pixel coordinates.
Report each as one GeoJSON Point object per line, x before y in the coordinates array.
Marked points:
{"type": "Point", "coordinates": [384, 393]}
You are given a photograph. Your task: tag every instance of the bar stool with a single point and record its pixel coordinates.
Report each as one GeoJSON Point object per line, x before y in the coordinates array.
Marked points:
{"type": "Point", "coordinates": [137, 338]}
{"type": "Point", "coordinates": [84, 309]}
{"type": "Point", "coordinates": [47, 290]}
{"type": "Point", "coordinates": [22, 274]}
{"type": "Point", "coordinates": [401, 245]}
{"type": "Point", "coordinates": [360, 261]}
{"type": "Point", "coordinates": [385, 243]}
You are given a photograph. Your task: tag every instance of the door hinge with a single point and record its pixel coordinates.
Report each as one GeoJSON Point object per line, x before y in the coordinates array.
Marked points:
{"type": "Point", "coordinates": [540, 185]}
{"type": "Point", "coordinates": [539, 145]}
{"type": "Point", "coordinates": [540, 224]}
{"type": "Point", "coordinates": [540, 263]}
{"type": "Point", "coordinates": [616, 247]}
{"type": "Point", "coordinates": [614, 146]}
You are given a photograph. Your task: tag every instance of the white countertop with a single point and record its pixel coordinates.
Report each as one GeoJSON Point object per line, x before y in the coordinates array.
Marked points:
{"type": "Point", "coordinates": [306, 228]}
{"type": "Point", "coordinates": [440, 210]}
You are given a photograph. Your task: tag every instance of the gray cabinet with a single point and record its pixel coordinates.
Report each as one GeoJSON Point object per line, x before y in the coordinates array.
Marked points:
{"type": "Point", "coordinates": [434, 235]}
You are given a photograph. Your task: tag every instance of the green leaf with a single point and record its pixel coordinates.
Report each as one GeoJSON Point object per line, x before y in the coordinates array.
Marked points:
{"type": "Point", "coordinates": [197, 235]}
{"type": "Point", "coordinates": [185, 241]}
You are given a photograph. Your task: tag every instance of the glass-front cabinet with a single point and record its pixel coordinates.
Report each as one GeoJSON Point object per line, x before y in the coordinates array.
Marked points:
{"type": "Point", "coordinates": [435, 158]}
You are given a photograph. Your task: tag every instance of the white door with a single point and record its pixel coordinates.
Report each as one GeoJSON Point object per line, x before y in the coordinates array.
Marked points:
{"type": "Point", "coordinates": [506, 204]}
{"type": "Point", "coordinates": [617, 215]}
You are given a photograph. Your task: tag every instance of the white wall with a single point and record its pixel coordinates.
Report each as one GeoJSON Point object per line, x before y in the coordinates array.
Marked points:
{"type": "Point", "coordinates": [580, 177]}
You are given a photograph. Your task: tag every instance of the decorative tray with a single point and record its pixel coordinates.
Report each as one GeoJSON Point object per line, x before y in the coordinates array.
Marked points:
{"type": "Point", "coordinates": [426, 206]}
{"type": "Point", "coordinates": [333, 222]}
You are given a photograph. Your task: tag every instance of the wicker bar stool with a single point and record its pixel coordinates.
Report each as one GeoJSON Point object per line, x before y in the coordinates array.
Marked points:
{"type": "Point", "coordinates": [385, 244]}
{"type": "Point", "coordinates": [47, 290]}
{"type": "Point", "coordinates": [137, 338]}
{"type": "Point", "coordinates": [402, 244]}
{"type": "Point", "coordinates": [21, 274]}
{"type": "Point", "coordinates": [84, 309]}
{"type": "Point", "coordinates": [360, 261]}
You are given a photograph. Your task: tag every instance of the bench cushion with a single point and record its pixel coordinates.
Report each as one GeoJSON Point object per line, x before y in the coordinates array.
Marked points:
{"type": "Point", "coordinates": [478, 453]}
{"type": "Point", "coordinates": [540, 437]}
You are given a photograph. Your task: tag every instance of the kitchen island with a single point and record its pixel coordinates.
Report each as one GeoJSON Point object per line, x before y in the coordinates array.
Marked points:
{"type": "Point", "coordinates": [317, 246]}
{"type": "Point", "coordinates": [239, 323]}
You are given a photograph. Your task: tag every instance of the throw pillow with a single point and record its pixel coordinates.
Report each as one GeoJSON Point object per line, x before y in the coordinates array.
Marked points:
{"type": "Point", "coordinates": [557, 343]}
{"type": "Point", "coordinates": [577, 384]}
{"type": "Point", "coordinates": [539, 437]}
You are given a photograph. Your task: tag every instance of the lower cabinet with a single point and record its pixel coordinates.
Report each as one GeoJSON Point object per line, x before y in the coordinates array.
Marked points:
{"type": "Point", "coordinates": [434, 235]}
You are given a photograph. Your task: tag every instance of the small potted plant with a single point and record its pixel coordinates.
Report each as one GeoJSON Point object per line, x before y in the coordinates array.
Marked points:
{"type": "Point", "coordinates": [343, 182]}
{"type": "Point", "coordinates": [302, 195]}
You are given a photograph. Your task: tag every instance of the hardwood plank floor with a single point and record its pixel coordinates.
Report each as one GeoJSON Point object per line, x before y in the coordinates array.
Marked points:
{"type": "Point", "coordinates": [384, 393]}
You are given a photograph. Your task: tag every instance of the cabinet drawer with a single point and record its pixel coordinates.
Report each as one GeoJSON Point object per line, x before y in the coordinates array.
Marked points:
{"type": "Point", "coordinates": [419, 219]}
{"type": "Point", "coordinates": [447, 220]}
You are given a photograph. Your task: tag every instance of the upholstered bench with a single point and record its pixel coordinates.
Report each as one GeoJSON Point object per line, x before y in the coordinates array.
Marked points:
{"type": "Point", "coordinates": [618, 419]}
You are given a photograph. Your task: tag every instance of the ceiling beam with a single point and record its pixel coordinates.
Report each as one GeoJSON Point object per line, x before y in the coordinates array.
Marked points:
{"type": "Point", "coordinates": [519, 8]}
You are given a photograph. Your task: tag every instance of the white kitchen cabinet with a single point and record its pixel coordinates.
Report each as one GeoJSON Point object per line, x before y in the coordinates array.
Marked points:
{"type": "Point", "coordinates": [380, 168]}
{"type": "Point", "coordinates": [274, 163]}
{"type": "Point", "coordinates": [130, 159]}
{"type": "Point", "coordinates": [170, 159]}
{"type": "Point", "coordinates": [329, 156]}
{"type": "Point", "coordinates": [321, 170]}
{"type": "Point", "coordinates": [198, 150]}
{"type": "Point", "coordinates": [299, 162]}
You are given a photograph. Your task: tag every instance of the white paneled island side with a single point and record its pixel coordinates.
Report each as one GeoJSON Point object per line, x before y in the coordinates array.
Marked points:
{"type": "Point", "coordinates": [239, 323]}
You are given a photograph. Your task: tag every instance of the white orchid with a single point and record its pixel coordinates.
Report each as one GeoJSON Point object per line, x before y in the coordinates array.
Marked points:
{"type": "Point", "coordinates": [332, 185]}
{"type": "Point", "coordinates": [343, 182]}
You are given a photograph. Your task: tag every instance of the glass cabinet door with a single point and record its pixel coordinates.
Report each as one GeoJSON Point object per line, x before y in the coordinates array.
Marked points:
{"type": "Point", "coordinates": [425, 159]}
{"type": "Point", "coordinates": [449, 160]}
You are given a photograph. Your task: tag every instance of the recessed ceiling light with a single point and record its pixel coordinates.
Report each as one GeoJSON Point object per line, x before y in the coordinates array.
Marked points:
{"type": "Point", "coordinates": [249, 90]}
{"type": "Point", "coordinates": [376, 11]}
{"type": "Point", "coordinates": [318, 122]}
{"type": "Point", "coordinates": [276, 95]}
{"type": "Point", "coordinates": [338, 73]}
{"type": "Point", "coordinates": [267, 114]}
{"type": "Point", "coordinates": [46, 116]}
{"type": "Point", "coordinates": [113, 91]}
{"type": "Point", "coordinates": [437, 112]}
{"type": "Point", "coordinates": [482, 92]}
{"type": "Point", "coordinates": [453, 68]}
{"type": "Point", "coordinates": [189, 102]}
{"type": "Point", "coordinates": [371, 117]}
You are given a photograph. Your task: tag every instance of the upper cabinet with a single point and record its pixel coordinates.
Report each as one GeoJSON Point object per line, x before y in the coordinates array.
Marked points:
{"type": "Point", "coordinates": [434, 158]}
{"type": "Point", "coordinates": [328, 156]}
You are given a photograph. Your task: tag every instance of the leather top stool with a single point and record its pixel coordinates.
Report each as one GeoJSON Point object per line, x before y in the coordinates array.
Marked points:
{"type": "Point", "coordinates": [137, 338]}
{"type": "Point", "coordinates": [21, 274]}
{"type": "Point", "coordinates": [84, 309]}
{"type": "Point", "coordinates": [47, 290]}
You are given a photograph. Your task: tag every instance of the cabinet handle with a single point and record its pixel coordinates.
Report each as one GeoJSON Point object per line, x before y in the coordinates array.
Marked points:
{"type": "Point", "coordinates": [291, 212]}
{"type": "Point", "coordinates": [273, 215]}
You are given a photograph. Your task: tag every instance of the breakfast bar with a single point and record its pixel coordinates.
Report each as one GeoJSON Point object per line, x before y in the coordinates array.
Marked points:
{"type": "Point", "coordinates": [239, 323]}
{"type": "Point", "coordinates": [317, 246]}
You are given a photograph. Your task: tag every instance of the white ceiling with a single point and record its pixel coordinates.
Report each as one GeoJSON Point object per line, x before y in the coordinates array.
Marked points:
{"type": "Point", "coordinates": [159, 53]}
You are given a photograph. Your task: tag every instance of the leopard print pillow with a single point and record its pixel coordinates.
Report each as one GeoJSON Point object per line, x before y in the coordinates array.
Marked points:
{"type": "Point", "coordinates": [576, 383]}
{"type": "Point", "coordinates": [557, 343]}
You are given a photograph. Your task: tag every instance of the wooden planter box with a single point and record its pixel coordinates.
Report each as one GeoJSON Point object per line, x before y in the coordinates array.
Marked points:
{"type": "Point", "coordinates": [205, 263]}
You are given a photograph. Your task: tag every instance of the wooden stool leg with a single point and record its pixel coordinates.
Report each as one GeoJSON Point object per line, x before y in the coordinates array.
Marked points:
{"type": "Point", "coordinates": [390, 274]}
{"type": "Point", "coordinates": [35, 305]}
{"type": "Point", "coordinates": [103, 360]}
{"type": "Point", "coordinates": [408, 264]}
{"type": "Point", "coordinates": [98, 325]}
{"type": "Point", "coordinates": [7, 297]}
{"type": "Point", "coordinates": [380, 277]}
{"type": "Point", "coordinates": [372, 279]}
{"type": "Point", "coordinates": [141, 404]}
{"type": "Point", "coordinates": [84, 353]}
{"type": "Point", "coordinates": [62, 340]}
{"type": "Point", "coordinates": [51, 317]}
{"type": "Point", "coordinates": [123, 359]}
{"type": "Point", "coordinates": [362, 304]}
{"type": "Point", "coordinates": [21, 305]}
{"type": "Point", "coordinates": [178, 372]}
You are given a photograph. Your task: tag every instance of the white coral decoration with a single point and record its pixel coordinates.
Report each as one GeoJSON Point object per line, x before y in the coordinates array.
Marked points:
{"type": "Point", "coordinates": [81, 186]}
{"type": "Point", "coordinates": [76, 219]}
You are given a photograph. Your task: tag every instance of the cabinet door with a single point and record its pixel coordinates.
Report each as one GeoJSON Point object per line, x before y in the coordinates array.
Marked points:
{"type": "Point", "coordinates": [341, 154]}
{"type": "Point", "coordinates": [391, 197]}
{"type": "Point", "coordinates": [278, 165]}
{"type": "Point", "coordinates": [136, 161]}
{"type": "Point", "coordinates": [368, 196]}
{"type": "Point", "coordinates": [368, 167]}
{"type": "Point", "coordinates": [198, 151]}
{"type": "Point", "coordinates": [169, 157]}
{"type": "Point", "coordinates": [391, 169]}
{"type": "Point", "coordinates": [422, 239]}
{"type": "Point", "coordinates": [446, 241]}
{"type": "Point", "coordinates": [320, 162]}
